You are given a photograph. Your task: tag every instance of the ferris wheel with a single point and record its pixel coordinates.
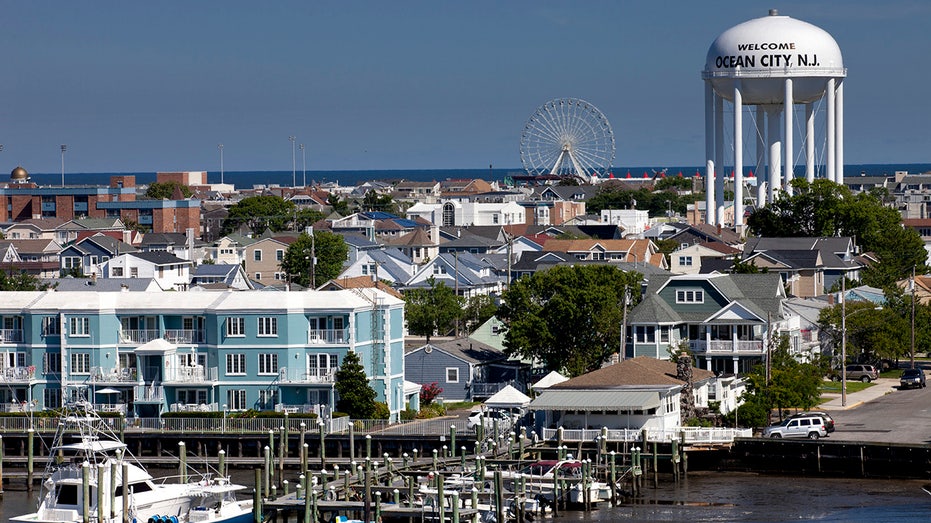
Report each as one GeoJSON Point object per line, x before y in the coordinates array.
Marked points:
{"type": "Point", "coordinates": [567, 137]}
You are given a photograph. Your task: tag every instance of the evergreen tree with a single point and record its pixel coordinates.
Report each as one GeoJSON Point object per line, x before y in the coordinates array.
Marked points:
{"type": "Point", "coordinates": [356, 397]}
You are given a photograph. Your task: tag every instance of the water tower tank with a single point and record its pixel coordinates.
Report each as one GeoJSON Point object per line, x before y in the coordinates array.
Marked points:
{"type": "Point", "coordinates": [763, 52]}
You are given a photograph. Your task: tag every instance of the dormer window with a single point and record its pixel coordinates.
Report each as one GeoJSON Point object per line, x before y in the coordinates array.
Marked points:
{"type": "Point", "coordinates": [690, 296]}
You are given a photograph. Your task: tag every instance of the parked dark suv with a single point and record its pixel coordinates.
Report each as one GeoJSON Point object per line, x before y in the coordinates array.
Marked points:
{"type": "Point", "coordinates": [912, 378]}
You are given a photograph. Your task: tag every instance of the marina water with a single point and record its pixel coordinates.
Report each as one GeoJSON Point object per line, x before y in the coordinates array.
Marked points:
{"type": "Point", "coordinates": [717, 497]}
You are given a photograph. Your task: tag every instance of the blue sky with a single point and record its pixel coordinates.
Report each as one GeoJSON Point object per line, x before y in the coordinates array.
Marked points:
{"type": "Point", "coordinates": [147, 86]}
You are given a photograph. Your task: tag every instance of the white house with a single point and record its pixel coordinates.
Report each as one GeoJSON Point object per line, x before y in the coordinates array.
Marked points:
{"type": "Point", "coordinates": [633, 221]}
{"type": "Point", "coordinates": [168, 271]}
{"type": "Point", "coordinates": [636, 394]}
{"type": "Point", "coordinates": [454, 213]}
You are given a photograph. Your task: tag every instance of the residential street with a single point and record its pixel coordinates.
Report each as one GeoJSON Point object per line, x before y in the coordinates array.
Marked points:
{"type": "Point", "coordinates": [883, 413]}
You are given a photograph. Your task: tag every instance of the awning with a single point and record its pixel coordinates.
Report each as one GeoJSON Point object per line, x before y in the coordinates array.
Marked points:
{"type": "Point", "coordinates": [596, 400]}
{"type": "Point", "coordinates": [156, 347]}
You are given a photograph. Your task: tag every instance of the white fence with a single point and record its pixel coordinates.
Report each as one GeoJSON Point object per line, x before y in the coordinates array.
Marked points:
{"type": "Point", "coordinates": [694, 435]}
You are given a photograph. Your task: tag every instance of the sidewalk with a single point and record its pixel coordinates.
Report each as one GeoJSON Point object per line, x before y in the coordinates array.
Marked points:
{"type": "Point", "coordinates": [880, 388]}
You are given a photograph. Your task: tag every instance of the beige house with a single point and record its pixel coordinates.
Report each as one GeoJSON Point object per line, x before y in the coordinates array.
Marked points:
{"type": "Point", "coordinates": [687, 260]}
{"type": "Point", "coordinates": [264, 257]}
{"type": "Point", "coordinates": [633, 251]}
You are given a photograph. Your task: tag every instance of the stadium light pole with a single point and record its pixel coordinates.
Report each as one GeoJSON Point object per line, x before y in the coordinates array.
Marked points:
{"type": "Point", "coordinates": [63, 149]}
{"type": "Point", "coordinates": [220, 147]}
{"type": "Point", "coordinates": [304, 165]}
{"type": "Point", "coordinates": [293, 162]}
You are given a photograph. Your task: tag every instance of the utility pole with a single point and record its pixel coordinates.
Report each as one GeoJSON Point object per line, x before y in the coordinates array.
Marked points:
{"type": "Point", "coordinates": [626, 298]}
{"type": "Point", "coordinates": [912, 358]}
{"type": "Point", "coordinates": [843, 341]}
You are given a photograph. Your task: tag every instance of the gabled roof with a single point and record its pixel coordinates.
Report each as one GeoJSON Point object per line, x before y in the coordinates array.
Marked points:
{"type": "Point", "coordinates": [471, 351]}
{"type": "Point", "coordinates": [108, 244]}
{"type": "Point", "coordinates": [637, 372]}
{"type": "Point", "coordinates": [761, 294]}
{"type": "Point", "coordinates": [416, 238]}
{"type": "Point", "coordinates": [361, 282]}
{"type": "Point", "coordinates": [159, 258]}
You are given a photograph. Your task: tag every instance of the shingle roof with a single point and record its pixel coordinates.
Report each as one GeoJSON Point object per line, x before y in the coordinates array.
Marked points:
{"type": "Point", "coordinates": [159, 257]}
{"type": "Point", "coordinates": [639, 371]}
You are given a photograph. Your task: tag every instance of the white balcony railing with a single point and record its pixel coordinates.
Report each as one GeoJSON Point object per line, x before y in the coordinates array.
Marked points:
{"type": "Point", "coordinates": [17, 374]}
{"type": "Point", "coordinates": [192, 407]}
{"type": "Point", "coordinates": [138, 335]}
{"type": "Point", "coordinates": [189, 374]}
{"type": "Point", "coordinates": [149, 394]}
{"type": "Point", "coordinates": [11, 336]}
{"type": "Point", "coordinates": [309, 376]}
{"type": "Point", "coordinates": [328, 336]}
{"type": "Point", "coordinates": [101, 375]}
{"type": "Point", "coordinates": [185, 336]}
{"type": "Point", "coordinates": [727, 346]}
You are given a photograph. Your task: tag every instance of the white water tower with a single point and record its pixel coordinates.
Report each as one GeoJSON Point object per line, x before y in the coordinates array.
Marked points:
{"type": "Point", "coordinates": [773, 63]}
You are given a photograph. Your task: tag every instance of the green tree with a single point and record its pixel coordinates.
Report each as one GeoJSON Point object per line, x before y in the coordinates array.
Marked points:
{"type": "Point", "coordinates": [824, 208]}
{"type": "Point", "coordinates": [568, 317]}
{"type": "Point", "coordinates": [260, 213]}
{"type": "Point", "coordinates": [307, 217]}
{"type": "Point", "coordinates": [478, 310]}
{"type": "Point", "coordinates": [746, 267]}
{"type": "Point", "coordinates": [432, 310]}
{"type": "Point", "coordinates": [791, 385]}
{"type": "Point", "coordinates": [379, 202]}
{"type": "Point", "coordinates": [331, 252]}
{"type": "Point", "coordinates": [339, 206]}
{"type": "Point", "coordinates": [20, 281]}
{"type": "Point", "coordinates": [356, 396]}
{"type": "Point", "coordinates": [165, 190]}
{"type": "Point", "coordinates": [873, 332]}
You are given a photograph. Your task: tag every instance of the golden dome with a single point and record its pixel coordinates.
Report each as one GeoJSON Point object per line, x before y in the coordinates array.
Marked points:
{"type": "Point", "coordinates": [19, 174]}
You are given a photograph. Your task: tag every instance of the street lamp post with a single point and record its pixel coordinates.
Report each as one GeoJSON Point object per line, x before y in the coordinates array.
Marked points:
{"type": "Point", "coordinates": [63, 149]}
{"type": "Point", "coordinates": [304, 165]}
{"type": "Point", "coordinates": [220, 147]}
{"type": "Point", "coordinates": [293, 162]}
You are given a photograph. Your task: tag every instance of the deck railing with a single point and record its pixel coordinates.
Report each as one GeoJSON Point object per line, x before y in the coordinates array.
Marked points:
{"type": "Point", "coordinates": [692, 435]}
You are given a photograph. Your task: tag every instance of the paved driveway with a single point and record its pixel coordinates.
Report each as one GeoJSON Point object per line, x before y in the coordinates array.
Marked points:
{"type": "Point", "coordinates": [887, 414]}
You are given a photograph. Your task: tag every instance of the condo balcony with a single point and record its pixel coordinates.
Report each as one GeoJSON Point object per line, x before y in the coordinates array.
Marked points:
{"type": "Point", "coordinates": [328, 337]}
{"type": "Point", "coordinates": [747, 347]}
{"type": "Point", "coordinates": [303, 376]}
{"type": "Point", "coordinates": [10, 336]}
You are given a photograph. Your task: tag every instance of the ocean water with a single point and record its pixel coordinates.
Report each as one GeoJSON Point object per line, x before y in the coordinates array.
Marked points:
{"type": "Point", "coordinates": [247, 179]}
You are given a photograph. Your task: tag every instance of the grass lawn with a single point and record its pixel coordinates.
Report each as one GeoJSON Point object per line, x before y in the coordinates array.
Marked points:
{"type": "Point", "coordinates": [834, 387]}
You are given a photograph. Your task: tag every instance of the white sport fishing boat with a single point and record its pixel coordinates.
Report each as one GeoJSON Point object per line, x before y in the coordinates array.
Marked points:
{"type": "Point", "coordinates": [88, 484]}
{"type": "Point", "coordinates": [537, 478]}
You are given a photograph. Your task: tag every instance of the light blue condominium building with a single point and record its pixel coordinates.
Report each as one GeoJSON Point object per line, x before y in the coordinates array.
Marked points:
{"type": "Point", "coordinates": [145, 353]}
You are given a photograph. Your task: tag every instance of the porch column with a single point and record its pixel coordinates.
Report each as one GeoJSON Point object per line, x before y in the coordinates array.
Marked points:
{"type": "Point", "coordinates": [736, 364]}
{"type": "Point", "coordinates": [734, 341]}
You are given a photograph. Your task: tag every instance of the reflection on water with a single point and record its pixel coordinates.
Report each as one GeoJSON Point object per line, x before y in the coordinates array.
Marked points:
{"type": "Point", "coordinates": [719, 497]}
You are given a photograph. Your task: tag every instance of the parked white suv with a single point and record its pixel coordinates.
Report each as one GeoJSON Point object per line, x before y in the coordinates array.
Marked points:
{"type": "Point", "coordinates": [811, 427]}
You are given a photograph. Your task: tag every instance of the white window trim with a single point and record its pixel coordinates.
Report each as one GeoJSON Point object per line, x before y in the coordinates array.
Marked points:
{"type": "Point", "coordinates": [447, 374]}
{"type": "Point", "coordinates": [272, 326]}
{"type": "Point", "coordinates": [74, 321]}
{"type": "Point", "coordinates": [271, 364]}
{"type": "Point", "coordinates": [241, 321]}
{"type": "Point", "coordinates": [238, 357]}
